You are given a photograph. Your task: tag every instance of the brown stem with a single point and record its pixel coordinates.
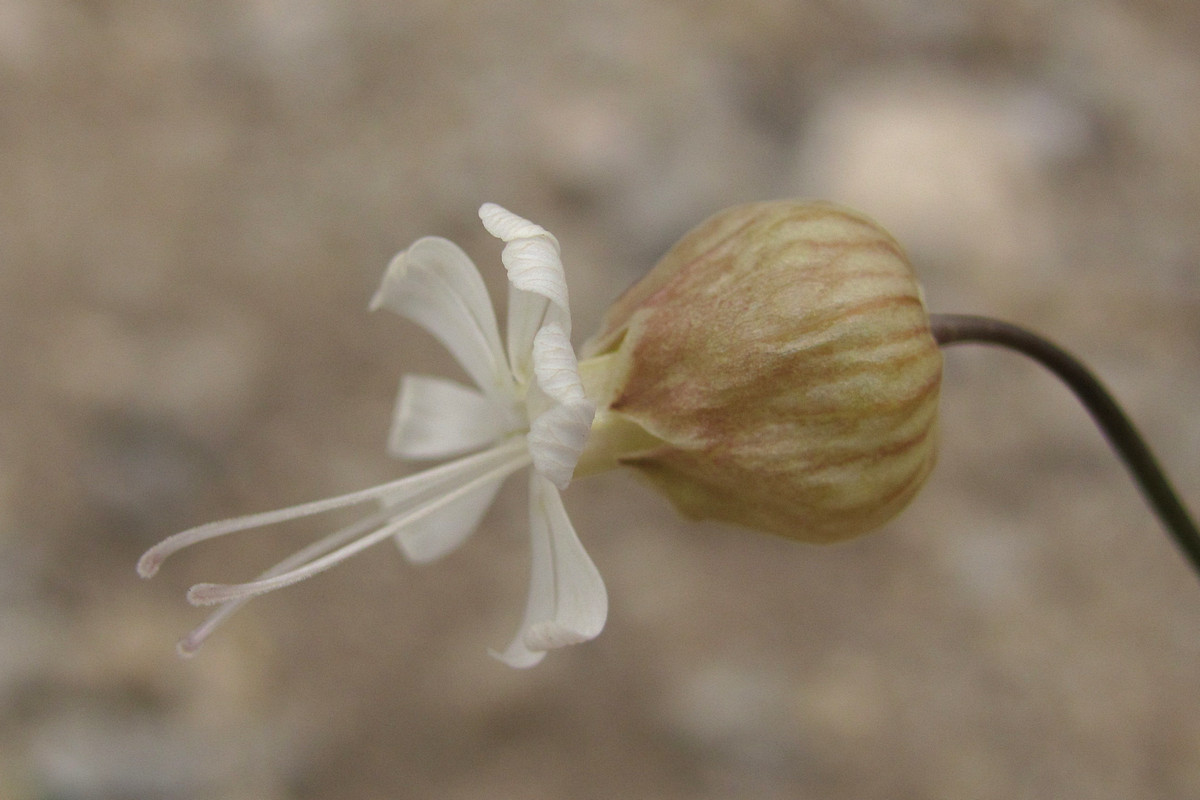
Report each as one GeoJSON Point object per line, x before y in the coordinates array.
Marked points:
{"type": "Point", "coordinates": [951, 329]}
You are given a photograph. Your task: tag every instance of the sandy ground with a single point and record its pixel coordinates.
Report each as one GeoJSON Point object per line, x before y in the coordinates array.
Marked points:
{"type": "Point", "coordinates": [197, 201]}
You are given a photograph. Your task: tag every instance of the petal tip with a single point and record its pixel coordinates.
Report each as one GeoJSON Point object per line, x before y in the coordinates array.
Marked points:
{"type": "Point", "coordinates": [550, 635]}
{"type": "Point", "coordinates": [518, 659]}
{"type": "Point", "coordinates": [507, 226]}
{"type": "Point", "coordinates": [391, 276]}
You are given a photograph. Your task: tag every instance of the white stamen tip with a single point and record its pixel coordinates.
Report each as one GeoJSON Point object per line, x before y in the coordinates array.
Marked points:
{"type": "Point", "coordinates": [188, 646]}
{"type": "Point", "coordinates": [149, 563]}
{"type": "Point", "coordinates": [209, 594]}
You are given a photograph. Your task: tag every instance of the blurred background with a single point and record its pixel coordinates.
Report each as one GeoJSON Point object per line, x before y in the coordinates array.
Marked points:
{"type": "Point", "coordinates": [197, 200]}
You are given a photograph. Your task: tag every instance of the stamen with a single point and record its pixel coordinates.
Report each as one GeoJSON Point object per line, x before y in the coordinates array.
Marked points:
{"type": "Point", "coordinates": [188, 645]}
{"type": "Point", "coordinates": [410, 486]}
{"type": "Point", "coordinates": [212, 593]}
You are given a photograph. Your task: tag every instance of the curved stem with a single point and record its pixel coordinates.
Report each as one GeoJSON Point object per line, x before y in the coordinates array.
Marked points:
{"type": "Point", "coordinates": [1121, 434]}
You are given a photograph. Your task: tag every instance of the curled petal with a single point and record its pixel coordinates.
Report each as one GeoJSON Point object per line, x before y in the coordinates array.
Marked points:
{"type": "Point", "coordinates": [526, 314]}
{"type": "Point", "coordinates": [567, 603]}
{"type": "Point", "coordinates": [437, 418]}
{"type": "Point", "coordinates": [535, 266]}
{"type": "Point", "coordinates": [557, 436]}
{"type": "Point", "coordinates": [537, 285]}
{"type": "Point", "coordinates": [507, 226]}
{"type": "Point", "coordinates": [555, 365]}
{"type": "Point", "coordinates": [434, 284]}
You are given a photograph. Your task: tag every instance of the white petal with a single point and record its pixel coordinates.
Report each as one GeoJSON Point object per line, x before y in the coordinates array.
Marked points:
{"type": "Point", "coordinates": [567, 602]}
{"type": "Point", "coordinates": [535, 266]}
{"type": "Point", "coordinates": [437, 418]}
{"type": "Point", "coordinates": [537, 285]}
{"type": "Point", "coordinates": [439, 533]}
{"type": "Point", "coordinates": [557, 438]}
{"type": "Point", "coordinates": [555, 365]}
{"type": "Point", "coordinates": [526, 314]}
{"type": "Point", "coordinates": [558, 435]}
{"type": "Point", "coordinates": [436, 285]}
{"type": "Point", "coordinates": [507, 226]}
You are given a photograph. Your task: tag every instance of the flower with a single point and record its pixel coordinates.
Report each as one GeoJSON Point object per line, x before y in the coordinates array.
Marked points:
{"type": "Point", "coordinates": [527, 409]}
{"type": "Point", "coordinates": [776, 369]}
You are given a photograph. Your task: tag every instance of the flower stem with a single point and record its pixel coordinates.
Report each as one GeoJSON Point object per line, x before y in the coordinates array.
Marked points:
{"type": "Point", "coordinates": [1121, 434]}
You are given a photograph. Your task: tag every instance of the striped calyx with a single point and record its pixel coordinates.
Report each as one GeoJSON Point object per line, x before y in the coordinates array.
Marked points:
{"type": "Point", "coordinates": [776, 370]}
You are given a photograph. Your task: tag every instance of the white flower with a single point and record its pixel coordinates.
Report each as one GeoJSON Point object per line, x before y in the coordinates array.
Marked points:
{"type": "Point", "coordinates": [527, 409]}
